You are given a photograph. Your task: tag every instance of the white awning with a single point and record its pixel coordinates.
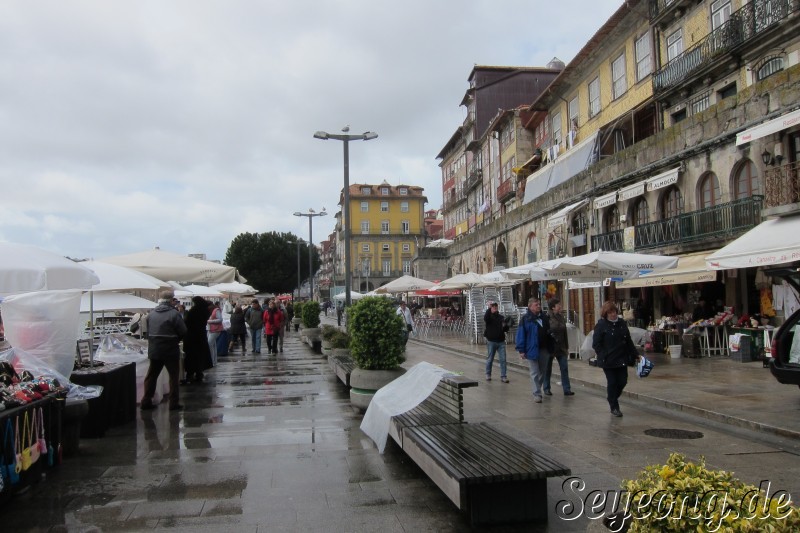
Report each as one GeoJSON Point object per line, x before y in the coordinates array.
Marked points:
{"type": "Point", "coordinates": [691, 268]}
{"type": "Point", "coordinates": [632, 191]}
{"type": "Point", "coordinates": [576, 160]}
{"type": "Point", "coordinates": [536, 184]}
{"type": "Point", "coordinates": [561, 215]}
{"type": "Point", "coordinates": [664, 179]}
{"type": "Point", "coordinates": [605, 200]}
{"type": "Point", "coordinates": [769, 127]}
{"type": "Point", "coordinates": [772, 242]}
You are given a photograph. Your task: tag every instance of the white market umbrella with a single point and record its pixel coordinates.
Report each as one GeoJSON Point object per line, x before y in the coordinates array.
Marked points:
{"type": "Point", "coordinates": [439, 243]}
{"type": "Point", "coordinates": [25, 268]}
{"type": "Point", "coordinates": [168, 265]}
{"type": "Point", "coordinates": [234, 288]}
{"type": "Point", "coordinates": [114, 301]}
{"type": "Point", "coordinates": [205, 292]}
{"type": "Point", "coordinates": [405, 284]}
{"type": "Point", "coordinates": [353, 296]}
{"type": "Point", "coordinates": [601, 265]}
{"type": "Point", "coordinates": [118, 278]}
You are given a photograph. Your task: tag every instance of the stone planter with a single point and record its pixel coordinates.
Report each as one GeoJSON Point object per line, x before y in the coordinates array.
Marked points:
{"type": "Point", "coordinates": [313, 337]}
{"type": "Point", "coordinates": [364, 384]}
{"type": "Point", "coordinates": [340, 351]}
{"type": "Point", "coordinates": [326, 348]}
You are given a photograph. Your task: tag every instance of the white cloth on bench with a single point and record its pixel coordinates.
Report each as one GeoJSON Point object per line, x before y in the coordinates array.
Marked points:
{"type": "Point", "coordinates": [399, 396]}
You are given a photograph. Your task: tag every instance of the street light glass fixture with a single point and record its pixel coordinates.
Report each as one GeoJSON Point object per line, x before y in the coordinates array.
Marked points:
{"type": "Point", "coordinates": [311, 214]}
{"type": "Point", "coordinates": [346, 138]}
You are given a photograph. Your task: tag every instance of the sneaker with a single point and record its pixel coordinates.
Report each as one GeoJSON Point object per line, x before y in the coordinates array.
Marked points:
{"type": "Point", "coordinates": [504, 379]}
{"type": "Point", "coordinates": [537, 399]}
{"type": "Point", "coordinates": [548, 393]}
{"type": "Point", "coordinates": [616, 412]}
{"type": "Point", "coordinates": [569, 393]}
{"type": "Point", "coordinates": [488, 377]}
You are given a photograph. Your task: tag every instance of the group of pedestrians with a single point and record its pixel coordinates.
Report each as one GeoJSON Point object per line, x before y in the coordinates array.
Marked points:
{"type": "Point", "coordinates": [542, 338]}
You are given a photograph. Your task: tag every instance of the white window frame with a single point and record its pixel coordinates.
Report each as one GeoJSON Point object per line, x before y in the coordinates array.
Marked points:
{"type": "Point", "coordinates": [384, 227]}
{"type": "Point", "coordinates": [557, 128]}
{"type": "Point", "coordinates": [720, 13]}
{"type": "Point", "coordinates": [403, 191]}
{"type": "Point", "coordinates": [385, 247]}
{"type": "Point", "coordinates": [406, 247]}
{"type": "Point", "coordinates": [405, 226]}
{"type": "Point", "coordinates": [594, 97]}
{"type": "Point", "coordinates": [365, 227]}
{"type": "Point", "coordinates": [365, 247]}
{"type": "Point", "coordinates": [365, 207]}
{"type": "Point", "coordinates": [573, 109]}
{"type": "Point", "coordinates": [644, 52]}
{"type": "Point", "coordinates": [404, 207]}
{"type": "Point", "coordinates": [406, 266]}
{"type": "Point", "coordinates": [619, 77]}
{"type": "Point", "coordinates": [675, 44]}
{"type": "Point", "coordinates": [366, 266]}
{"type": "Point", "coordinates": [384, 191]}
{"type": "Point", "coordinates": [365, 190]}
{"type": "Point", "coordinates": [387, 267]}
{"type": "Point", "coordinates": [384, 207]}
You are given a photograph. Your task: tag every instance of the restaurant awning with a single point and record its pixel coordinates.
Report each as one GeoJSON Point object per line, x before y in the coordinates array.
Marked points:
{"type": "Point", "coordinates": [769, 127]}
{"type": "Point", "coordinates": [605, 200]}
{"type": "Point", "coordinates": [773, 242]}
{"type": "Point", "coordinates": [632, 191]}
{"type": "Point", "coordinates": [561, 215]}
{"type": "Point", "coordinates": [691, 268]}
{"type": "Point", "coordinates": [664, 179]}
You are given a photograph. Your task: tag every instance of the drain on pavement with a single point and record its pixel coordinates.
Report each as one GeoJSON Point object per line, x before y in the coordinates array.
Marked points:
{"type": "Point", "coordinates": [665, 433]}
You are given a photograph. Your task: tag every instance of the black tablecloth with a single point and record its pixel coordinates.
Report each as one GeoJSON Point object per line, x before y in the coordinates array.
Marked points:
{"type": "Point", "coordinates": [116, 405]}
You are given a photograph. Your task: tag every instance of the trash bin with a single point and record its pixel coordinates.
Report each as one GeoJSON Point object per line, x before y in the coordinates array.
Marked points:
{"type": "Point", "coordinates": [745, 352]}
{"type": "Point", "coordinates": [675, 351]}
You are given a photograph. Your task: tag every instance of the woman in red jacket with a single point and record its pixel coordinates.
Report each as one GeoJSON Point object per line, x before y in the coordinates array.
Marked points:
{"type": "Point", "coordinates": [273, 321]}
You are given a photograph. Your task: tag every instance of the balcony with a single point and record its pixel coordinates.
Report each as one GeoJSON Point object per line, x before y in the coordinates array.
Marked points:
{"type": "Point", "coordinates": [474, 178]}
{"type": "Point", "coordinates": [507, 190]}
{"type": "Point", "coordinates": [661, 9]}
{"type": "Point", "coordinates": [750, 20]}
{"type": "Point", "coordinates": [718, 222]}
{"type": "Point", "coordinates": [782, 187]}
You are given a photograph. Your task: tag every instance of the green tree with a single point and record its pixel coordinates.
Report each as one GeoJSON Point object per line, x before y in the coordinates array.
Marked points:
{"type": "Point", "coordinates": [269, 260]}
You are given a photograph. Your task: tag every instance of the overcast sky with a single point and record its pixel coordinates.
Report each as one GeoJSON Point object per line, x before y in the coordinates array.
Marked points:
{"type": "Point", "coordinates": [126, 125]}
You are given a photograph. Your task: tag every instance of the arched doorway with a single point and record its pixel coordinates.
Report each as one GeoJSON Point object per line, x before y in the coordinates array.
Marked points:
{"type": "Point", "coordinates": [500, 257]}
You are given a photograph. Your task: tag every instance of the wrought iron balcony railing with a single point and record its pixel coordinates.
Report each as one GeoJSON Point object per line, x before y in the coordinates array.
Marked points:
{"type": "Point", "coordinates": [782, 185]}
{"type": "Point", "coordinates": [752, 19]}
{"type": "Point", "coordinates": [506, 190]}
{"type": "Point", "coordinates": [719, 221]}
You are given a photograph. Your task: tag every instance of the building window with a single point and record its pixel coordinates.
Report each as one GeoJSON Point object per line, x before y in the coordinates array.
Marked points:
{"type": "Point", "coordinates": [406, 227]}
{"type": "Point", "coordinates": [672, 204]}
{"type": "Point", "coordinates": [556, 247]}
{"type": "Point", "coordinates": [641, 213]}
{"type": "Point", "coordinates": [403, 191]}
{"type": "Point", "coordinates": [404, 207]}
{"type": "Point", "coordinates": [387, 267]}
{"type": "Point", "coordinates": [745, 183]}
{"type": "Point", "coordinates": [573, 111]}
{"type": "Point", "coordinates": [675, 44]}
{"type": "Point", "coordinates": [557, 128]}
{"type": "Point", "coordinates": [612, 219]}
{"type": "Point", "coordinates": [720, 13]}
{"type": "Point", "coordinates": [364, 227]}
{"type": "Point", "coordinates": [710, 194]}
{"type": "Point", "coordinates": [365, 247]}
{"type": "Point", "coordinates": [768, 67]}
{"type": "Point", "coordinates": [406, 266]}
{"type": "Point", "coordinates": [406, 247]}
{"type": "Point", "coordinates": [514, 258]}
{"type": "Point", "coordinates": [700, 103]}
{"type": "Point", "coordinates": [643, 55]}
{"type": "Point", "coordinates": [366, 268]}
{"type": "Point", "coordinates": [533, 249]}
{"type": "Point", "coordinates": [619, 81]}
{"type": "Point", "coordinates": [365, 190]}
{"type": "Point", "coordinates": [579, 223]}
{"type": "Point", "coordinates": [385, 247]}
{"type": "Point", "coordinates": [385, 227]}
{"type": "Point", "coordinates": [384, 207]}
{"type": "Point", "coordinates": [726, 92]}
{"type": "Point", "coordinates": [385, 191]}
{"type": "Point", "coordinates": [594, 97]}
{"type": "Point", "coordinates": [365, 207]}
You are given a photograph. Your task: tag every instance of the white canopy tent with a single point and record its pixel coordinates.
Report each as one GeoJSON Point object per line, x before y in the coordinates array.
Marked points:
{"type": "Point", "coordinates": [118, 278]}
{"type": "Point", "coordinates": [200, 290]}
{"type": "Point", "coordinates": [114, 301]}
{"type": "Point", "coordinates": [405, 284]}
{"type": "Point", "coordinates": [593, 266]}
{"type": "Point", "coordinates": [234, 288]}
{"type": "Point", "coordinates": [353, 296]}
{"type": "Point", "coordinates": [25, 268]}
{"type": "Point", "coordinates": [172, 266]}
{"type": "Point", "coordinates": [773, 242]}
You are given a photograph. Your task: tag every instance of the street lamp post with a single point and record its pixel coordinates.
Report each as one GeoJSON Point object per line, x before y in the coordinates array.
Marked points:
{"type": "Point", "coordinates": [346, 138]}
{"type": "Point", "coordinates": [298, 268]}
{"type": "Point", "coordinates": [311, 214]}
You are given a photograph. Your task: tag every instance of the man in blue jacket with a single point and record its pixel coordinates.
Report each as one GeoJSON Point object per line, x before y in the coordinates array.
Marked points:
{"type": "Point", "coordinates": [535, 344]}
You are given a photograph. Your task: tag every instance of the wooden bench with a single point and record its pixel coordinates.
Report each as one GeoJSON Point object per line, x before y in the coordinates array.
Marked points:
{"type": "Point", "coordinates": [342, 366]}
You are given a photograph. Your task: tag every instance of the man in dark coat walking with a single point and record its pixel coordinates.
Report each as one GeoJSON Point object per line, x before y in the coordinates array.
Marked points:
{"type": "Point", "coordinates": [166, 328]}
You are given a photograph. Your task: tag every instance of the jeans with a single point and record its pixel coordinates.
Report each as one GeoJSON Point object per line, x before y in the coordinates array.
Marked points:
{"type": "Point", "coordinates": [151, 380]}
{"type": "Point", "coordinates": [564, 369]}
{"type": "Point", "coordinates": [500, 349]}
{"type": "Point", "coordinates": [272, 343]}
{"type": "Point", "coordinates": [537, 368]}
{"type": "Point", "coordinates": [616, 379]}
{"type": "Point", "coordinates": [212, 345]}
{"type": "Point", "coordinates": [255, 337]}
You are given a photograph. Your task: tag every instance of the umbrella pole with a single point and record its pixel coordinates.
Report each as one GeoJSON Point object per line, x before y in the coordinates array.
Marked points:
{"type": "Point", "coordinates": [91, 328]}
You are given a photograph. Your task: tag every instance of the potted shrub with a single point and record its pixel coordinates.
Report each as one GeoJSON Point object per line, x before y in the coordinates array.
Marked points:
{"type": "Point", "coordinates": [689, 497]}
{"type": "Point", "coordinates": [376, 346]}
{"type": "Point", "coordinates": [340, 343]}
{"type": "Point", "coordinates": [311, 329]}
{"type": "Point", "coordinates": [327, 334]}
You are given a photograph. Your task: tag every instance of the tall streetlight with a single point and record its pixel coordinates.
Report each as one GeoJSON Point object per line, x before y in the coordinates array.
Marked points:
{"type": "Point", "coordinates": [298, 267]}
{"type": "Point", "coordinates": [311, 214]}
{"type": "Point", "coordinates": [346, 138]}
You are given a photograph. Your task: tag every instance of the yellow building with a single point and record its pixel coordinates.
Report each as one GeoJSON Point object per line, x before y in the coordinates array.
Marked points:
{"type": "Point", "coordinates": [386, 229]}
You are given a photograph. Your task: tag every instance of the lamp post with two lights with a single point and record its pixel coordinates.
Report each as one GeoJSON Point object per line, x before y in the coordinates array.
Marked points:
{"type": "Point", "coordinates": [310, 215]}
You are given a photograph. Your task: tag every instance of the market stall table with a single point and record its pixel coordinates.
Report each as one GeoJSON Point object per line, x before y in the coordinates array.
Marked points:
{"type": "Point", "coordinates": [116, 405]}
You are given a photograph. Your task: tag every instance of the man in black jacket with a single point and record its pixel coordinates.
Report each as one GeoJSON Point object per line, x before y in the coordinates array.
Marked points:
{"type": "Point", "coordinates": [166, 329]}
{"type": "Point", "coordinates": [495, 334]}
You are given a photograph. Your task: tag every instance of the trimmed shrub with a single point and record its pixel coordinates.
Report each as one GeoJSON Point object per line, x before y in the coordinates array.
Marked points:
{"type": "Point", "coordinates": [340, 339]}
{"type": "Point", "coordinates": [376, 334]}
{"type": "Point", "coordinates": [310, 314]}
{"type": "Point", "coordinates": [298, 310]}
{"type": "Point", "coordinates": [328, 332]}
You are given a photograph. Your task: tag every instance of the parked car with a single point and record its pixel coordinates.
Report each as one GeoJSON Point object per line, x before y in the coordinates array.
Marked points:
{"type": "Point", "coordinates": [785, 363]}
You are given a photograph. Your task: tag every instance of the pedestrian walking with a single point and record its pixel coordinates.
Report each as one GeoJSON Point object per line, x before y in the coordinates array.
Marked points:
{"type": "Point", "coordinates": [284, 325]}
{"type": "Point", "coordinates": [405, 313]}
{"type": "Point", "coordinates": [238, 329]}
{"type": "Point", "coordinates": [215, 328]}
{"type": "Point", "coordinates": [195, 345]}
{"type": "Point", "coordinates": [165, 329]}
{"type": "Point", "coordinates": [273, 321]}
{"type": "Point", "coordinates": [254, 317]}
{"type": "Point", "coordinates": [558, 330]}
{"type": "Point", "coordinates": [289, 315]}
{"type": "Point", "coordinates": [495, 333]}
{"type": "Point", "coordinates": [534, 344]}
{"type": "Point", "coordinates": [615, 350]}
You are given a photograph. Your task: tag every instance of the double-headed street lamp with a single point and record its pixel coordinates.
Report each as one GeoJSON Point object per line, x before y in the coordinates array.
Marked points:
{"type": "Point", "coordinates": [311, 214]}
{"type": "Point", "coordinates": [346, 138]}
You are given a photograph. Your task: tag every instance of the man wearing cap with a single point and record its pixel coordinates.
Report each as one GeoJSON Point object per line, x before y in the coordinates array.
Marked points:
{"type": "Point", "coordinates": [166, 329]}
{"type": "Point", "coordinates": [495, 333]}
{"type": "Point", "coordinates": [408, 321]}
{"type": "Point", "coordinates": [558, 330]}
